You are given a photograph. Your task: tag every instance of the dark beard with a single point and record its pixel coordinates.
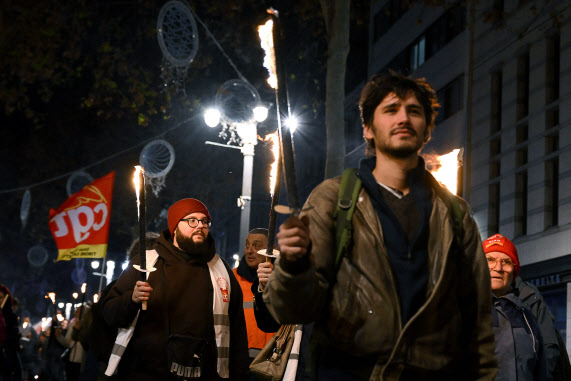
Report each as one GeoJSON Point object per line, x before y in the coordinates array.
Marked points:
{"type": "Point", "coordinates": [187, 245]}
{"type": "Point", "coordinates": [401, 152]}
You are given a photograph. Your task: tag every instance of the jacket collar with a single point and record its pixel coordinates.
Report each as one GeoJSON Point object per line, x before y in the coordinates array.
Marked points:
{"type": "Point", "coordinates": [247, 272]}
{"type": "Point", "coordinates": [511, 297]}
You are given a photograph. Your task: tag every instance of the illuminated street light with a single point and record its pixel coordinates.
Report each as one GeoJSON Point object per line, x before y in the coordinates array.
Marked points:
{"type": "Point", "coordinates": [239, 110]}
{"type": "Point", "coordinates": [95, 265]}
{"type": "Point", "coordinates": [292, 123]}
{"type": "Point", "coordinates": [212, 117]}
{"type": "Point", "coordinates": [260, 113]}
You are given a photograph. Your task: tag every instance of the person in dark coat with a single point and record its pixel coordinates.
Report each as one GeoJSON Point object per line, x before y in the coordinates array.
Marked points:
{"type": "Point", "coordinates": [10, 368]}
{"type": "Point", "coordinates": [519, 344]}
{"type": "Point", "coordinates": [101, 336]}
{"type": "Point", "coordinates": [29, 342]}
{"type": "Point", "coordinates": [193, 300]}
{"type": "Point", "coordinates": [532, 299]}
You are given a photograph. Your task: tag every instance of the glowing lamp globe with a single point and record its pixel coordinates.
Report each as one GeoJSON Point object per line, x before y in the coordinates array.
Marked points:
{"type": "Point", "coordinates": [260, 113]}
{"type": "Point", "coordinates": [212, 117]}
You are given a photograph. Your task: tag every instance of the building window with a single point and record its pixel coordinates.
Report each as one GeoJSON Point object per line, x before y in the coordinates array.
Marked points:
{"type": "Point", "coordinates": [522, 84]}
{"type": "Point", "coordinates": [436, 36]}
{"type": "Point", "coordinates": [451, 98]}
{"type": "Point", "coordinates": [496, 102]}
{"type": "Point", "coordinates": [521, 133]}
{"type": "Point", "coordinates": [494, 187]}
{"type": "Point", "coordinates": [417, 53]}
{"type": "Point", "coordinates": [552, 192]}
{"type": "Point", "coordinates": [521, 196]}
{"type": "Point", "coordinates": [521, 187]}
{"type": "Point", "coordinates": [493, 208]}
{"type": "Point", "coordinates": [388, 15]}
{"type": "Point", "coordinates": [552, 59]}
{"type": "Point", "coordinates": [451, 24]}
{"type": "Point", "coordinates": [552, 89]}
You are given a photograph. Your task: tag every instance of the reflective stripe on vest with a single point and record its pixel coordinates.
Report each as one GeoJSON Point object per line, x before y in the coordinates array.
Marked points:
{"type": "Point", "coordinates": [257, 338]}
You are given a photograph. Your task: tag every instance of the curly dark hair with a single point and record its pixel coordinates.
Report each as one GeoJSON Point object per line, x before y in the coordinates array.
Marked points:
{"type": "Point", "coordinates": [381, 85]}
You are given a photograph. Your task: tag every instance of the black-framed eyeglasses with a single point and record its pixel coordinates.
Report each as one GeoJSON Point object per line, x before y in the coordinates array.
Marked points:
{"type": "Point", "coordinates": [193, 222]}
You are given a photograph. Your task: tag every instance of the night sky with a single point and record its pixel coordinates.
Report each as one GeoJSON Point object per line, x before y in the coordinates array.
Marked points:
{"type": "Point", "coordinates": [82, 90]}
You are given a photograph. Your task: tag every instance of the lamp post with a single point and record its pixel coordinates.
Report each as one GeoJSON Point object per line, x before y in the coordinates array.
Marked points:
{"type": "Point", "coordinates": [247, 131]}
{"type": "Point", "coordinates": [241, 128]}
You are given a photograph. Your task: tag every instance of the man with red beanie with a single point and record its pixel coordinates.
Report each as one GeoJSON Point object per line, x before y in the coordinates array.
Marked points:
{"type": "Point", "coordinates": [519, 342]}
{"type": "Point", "coordinates": [193, 327]}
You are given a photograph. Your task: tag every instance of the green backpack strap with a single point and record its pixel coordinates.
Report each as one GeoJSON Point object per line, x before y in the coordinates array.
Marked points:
{"type": "Point", "coordinates": [349, 190]}
{"type": "Point", "coordinates": [346, 201]}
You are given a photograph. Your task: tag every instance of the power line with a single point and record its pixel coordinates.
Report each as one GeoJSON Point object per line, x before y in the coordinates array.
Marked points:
{"type": "Point", "coordinates": [55, 178]}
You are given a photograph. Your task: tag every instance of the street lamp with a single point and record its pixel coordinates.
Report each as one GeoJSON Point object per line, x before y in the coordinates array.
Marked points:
{"type": "Point", "coordinates": [239, 110]}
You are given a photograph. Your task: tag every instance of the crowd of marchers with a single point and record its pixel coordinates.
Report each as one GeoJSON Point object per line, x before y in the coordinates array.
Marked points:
{"type": "Point", "coordinates": [383, 272]}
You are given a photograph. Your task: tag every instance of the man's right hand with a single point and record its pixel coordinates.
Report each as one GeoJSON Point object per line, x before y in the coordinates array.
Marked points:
{"type": "Point", "coordinates": [265, 269]}
{"type": "Point", "coordinates": [141, 292]}
{"type": "Point", "coordinates": [293, 238]}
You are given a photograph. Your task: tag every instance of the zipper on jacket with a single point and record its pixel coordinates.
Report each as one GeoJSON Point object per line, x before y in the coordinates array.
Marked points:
{"type": "Point", "coordinates": [530, 330]}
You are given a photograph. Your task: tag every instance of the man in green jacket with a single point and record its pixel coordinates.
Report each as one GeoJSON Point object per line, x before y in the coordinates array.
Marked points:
{"type": "Point", "coordinates": [411, 301]}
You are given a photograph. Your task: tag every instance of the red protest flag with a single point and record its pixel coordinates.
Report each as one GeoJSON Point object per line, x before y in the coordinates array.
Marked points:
{"type": "Point", "coordinates": [81, 224]}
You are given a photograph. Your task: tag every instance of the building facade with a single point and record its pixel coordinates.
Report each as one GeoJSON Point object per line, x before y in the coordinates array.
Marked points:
{"type": "Point", "coordinates": [501, 70]}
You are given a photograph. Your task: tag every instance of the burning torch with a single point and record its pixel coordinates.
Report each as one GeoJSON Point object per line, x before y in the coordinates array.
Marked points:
{"type": "Point", "coordinates": [275, 180]}
{"type": "Point", "coordinates": [271, 37]}
{"type": "Point", "coordinates": [139, 180]}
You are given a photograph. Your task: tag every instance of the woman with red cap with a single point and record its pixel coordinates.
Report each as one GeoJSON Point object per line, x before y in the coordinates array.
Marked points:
{"type": "Point", "coordinates": [519, 345]}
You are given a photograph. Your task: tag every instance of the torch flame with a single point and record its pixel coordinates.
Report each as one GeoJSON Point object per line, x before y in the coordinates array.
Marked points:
{"type": "Point", "coordinates": [445, 169]}
{"type": "Point", "coordinates": [52, 296]}
{"type": "Point", "coordinates": [75, 295]}
{"type": "Point", "coordinates": [274, 167]}
{"type": "Point", "coordinates": [83, 288]}
{"type": "Point", "coordinates": [95, 298]}
{"type": "Point", "coordinates": [138, 170]}
{"type": "Point", "coordinates": [267, 42]}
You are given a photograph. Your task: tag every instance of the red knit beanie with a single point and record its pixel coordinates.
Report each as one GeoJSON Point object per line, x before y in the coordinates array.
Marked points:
{"type": "Point", "coordinates": [498, 242]}
{"type": "Point", "coordinates": [183, 208]}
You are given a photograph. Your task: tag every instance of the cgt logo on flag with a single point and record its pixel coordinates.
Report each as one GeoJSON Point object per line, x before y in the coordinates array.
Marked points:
{"type": "Point", "coordinates": [81, 224]}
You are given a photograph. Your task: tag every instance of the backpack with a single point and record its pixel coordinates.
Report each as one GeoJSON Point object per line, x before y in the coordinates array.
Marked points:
{"type": "Point", "coordinates": [349, 190]}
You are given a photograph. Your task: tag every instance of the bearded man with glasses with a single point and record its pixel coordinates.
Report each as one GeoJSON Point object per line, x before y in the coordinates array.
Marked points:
{"type": "Point", "coordinates": [519, 343]}
{"type": "Point", "coordinates": [194, 327]}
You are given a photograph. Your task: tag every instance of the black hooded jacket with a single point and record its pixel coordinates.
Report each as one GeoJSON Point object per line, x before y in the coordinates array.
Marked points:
{"type": "Point", "coordinates": [180, 304]}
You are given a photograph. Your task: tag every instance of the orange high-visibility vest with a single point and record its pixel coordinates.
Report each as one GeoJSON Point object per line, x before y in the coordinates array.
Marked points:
{"type": "Point", "coordinates": [257, 338]}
